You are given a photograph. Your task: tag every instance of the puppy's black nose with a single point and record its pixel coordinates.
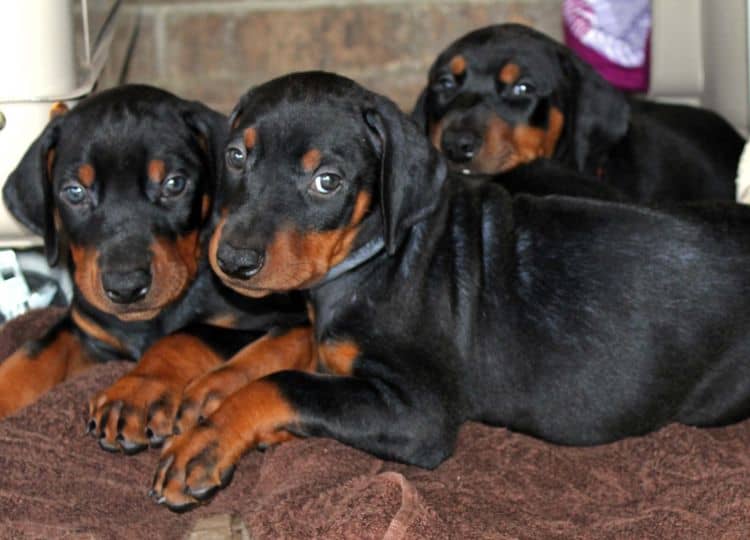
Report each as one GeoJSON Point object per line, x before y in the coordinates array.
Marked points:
{"type": "Point", "coordinates": [126, 287]}
{"type": "Point", "coordinates": [460, 146]}
{"type": "Point", "coordinates": [239, 263]}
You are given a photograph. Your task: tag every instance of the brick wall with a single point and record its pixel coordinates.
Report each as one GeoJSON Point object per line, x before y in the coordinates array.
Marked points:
{"type": "Point", "coordinates": [215, 50]}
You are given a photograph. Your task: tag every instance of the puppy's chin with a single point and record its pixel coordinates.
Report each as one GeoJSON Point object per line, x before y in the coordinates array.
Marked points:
{"type": "Point", "coordinates": [145, 309]}
{"type": "Point", "coordinates": [138, 315]}
{"type": "Point", "coordinates": [141, 311]}
{"type": "Point", "coordinates": [492, 165]}
{"type": "Point", "coordinates": [244, 290]}
{"type": "Point", "coordinates": [465, 169]}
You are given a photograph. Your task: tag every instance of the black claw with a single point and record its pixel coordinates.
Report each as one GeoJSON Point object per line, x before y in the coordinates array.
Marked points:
{"type": "Point", "coordinates": [156, 441]}
{"type": "Point", "coordinates": [206, 493]}
{"type": "Point", "coordinates": [107, 446]}
{"type": "Point", "coordinates": [104, 420]}
{"type": "Point", "coordinates": [227, 476]}
{"type": "Point", "coordinates": [130, 447]}
{"type": "Point", "coordinates": [203, 493]}
{"type": "Point", "coordinates": [91, 427]}
{"type": "Point", "coordinates": [178, 508]}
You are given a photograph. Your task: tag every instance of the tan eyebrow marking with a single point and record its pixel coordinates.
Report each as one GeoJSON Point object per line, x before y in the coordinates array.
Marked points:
{"type": "Point", "coordinates": [509, 73]}
{"type": "Point", "coordinates": [157, 170]}
{"type": "Point", "coordinates": [86, 174]}
{"type": "Point", "coordinates": [311, 160]}
{"type": "Point", "coordinates": [457, 65]}
{"type": "Point", "coordinates": [250, 137]}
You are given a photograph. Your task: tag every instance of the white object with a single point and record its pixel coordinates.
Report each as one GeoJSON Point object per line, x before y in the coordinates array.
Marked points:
{"type": "Point", "coordinates": [743, 176]}
{"type": "Point", "coordinates": [38, 68]}
{"type": "Point", "coordinates": [15, 296]}
{"type": "Point", "coordinates": [14, 291]}
{"type": "Point", "coordinates": [700, 54]}
{"type": "Point", "coordinates": [37, 60]}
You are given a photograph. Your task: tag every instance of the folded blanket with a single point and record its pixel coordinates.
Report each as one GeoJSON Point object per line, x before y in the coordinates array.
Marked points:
{"type": "Point", "coordinates": [680, 482]}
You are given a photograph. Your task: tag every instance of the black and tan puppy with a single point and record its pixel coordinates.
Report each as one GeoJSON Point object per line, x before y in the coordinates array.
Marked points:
{"type": "Point", "coordinates": [122, 187]}
{"type": "Point", "coordinates": [506, 94]}
{"type": "Point", "coordinates": [440, 299]}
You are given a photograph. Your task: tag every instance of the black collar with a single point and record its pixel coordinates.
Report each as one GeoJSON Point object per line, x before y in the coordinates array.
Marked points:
{"type": "Point", "coordinates": [356, 258]}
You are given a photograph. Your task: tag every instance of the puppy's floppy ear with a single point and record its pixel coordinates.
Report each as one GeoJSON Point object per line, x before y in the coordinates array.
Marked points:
{"type": "Point", "coordinates": [412, 172]}
{"type": "Point", "coordinates": [419, 114]}
{"type": "Point", "coordinates": [601, 114]}
{"type": "Point", "coordinates": [209, 126]}
{"type": "Point", "coordinates": [210, 129]}
{"type": "Point", "coordinates": [234, 116]}
{"type": "Point", "coordinates": [28, 190]}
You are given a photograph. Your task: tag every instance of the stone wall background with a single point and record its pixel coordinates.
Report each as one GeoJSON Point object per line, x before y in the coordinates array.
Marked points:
{"type": "Point", "coordinates": [214, 50]}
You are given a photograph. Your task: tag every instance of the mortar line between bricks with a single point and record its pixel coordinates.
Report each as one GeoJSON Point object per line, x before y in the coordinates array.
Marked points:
{"type": "Point", "coordinates": [407, 68]}
{"type": "Point", "coordinates": [297, 5]}
{"type": "Point", "coordinates": [160, 41]}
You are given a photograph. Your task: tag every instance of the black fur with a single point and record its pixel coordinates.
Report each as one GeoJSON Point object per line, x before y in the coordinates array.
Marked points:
{"type": "Point", "coordinates": [118, 132]}
{"type": "Point", "coordinates": [652, 152]}
{"type": "Point", "coordinates": [577, 321]}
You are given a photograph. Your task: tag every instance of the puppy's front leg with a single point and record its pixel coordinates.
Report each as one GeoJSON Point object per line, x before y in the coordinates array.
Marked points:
{"type": "Point", "coordinates": [370, 414]}
{"type": "Point", "coordinates": [38, 366]}
{"type": "Point", "coordinates": [292, 348]}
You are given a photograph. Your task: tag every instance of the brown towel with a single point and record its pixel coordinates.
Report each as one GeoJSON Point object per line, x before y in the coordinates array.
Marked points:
{"type": "Point", "coordinates": [680, 482]}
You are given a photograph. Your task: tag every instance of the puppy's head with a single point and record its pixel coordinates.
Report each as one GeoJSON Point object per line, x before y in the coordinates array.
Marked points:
{"type": "Point", "coordinates": [315, 167]}
{"type": "Point", "coordinates": [505, 95]}
{"type": "Point", "coordinates": [123, 184]}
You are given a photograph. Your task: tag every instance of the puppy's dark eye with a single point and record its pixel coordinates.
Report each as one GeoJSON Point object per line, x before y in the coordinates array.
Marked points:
{"type": "Point", "coordinates": [445, 82]}
{"type": "Point", "coordinates": [523, 88]}
{"type": "Point", "coordinates": [235, 158]}
{"type": "Point", "coordinates": [173, 185]}
{"type": "Point", "coordinates": [74, 193]}
{"type": "Point", "coordinates": [326, 183]}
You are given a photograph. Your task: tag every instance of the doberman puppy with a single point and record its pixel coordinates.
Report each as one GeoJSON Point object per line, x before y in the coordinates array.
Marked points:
{"type": "Point", "coordinates": [438, 299]}
{"type": "Point", "coordinates": [508, 94]}
{"type": "Point", "coordinates": [123, 187]}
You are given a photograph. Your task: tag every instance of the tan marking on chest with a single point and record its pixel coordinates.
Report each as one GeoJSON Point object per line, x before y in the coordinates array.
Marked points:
{"type": "Point", "coordinates": [95, 331]}
{"type": "Point", "coordinates": [338, 356]}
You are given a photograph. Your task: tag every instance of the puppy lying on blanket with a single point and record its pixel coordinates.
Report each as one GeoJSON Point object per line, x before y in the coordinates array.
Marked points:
{"type": "Point", "coordinates": [507, 94]}
{"type": "Point", "coordinates": [122, 189]}
{"type": "Point", "coordinates": [440, 299]}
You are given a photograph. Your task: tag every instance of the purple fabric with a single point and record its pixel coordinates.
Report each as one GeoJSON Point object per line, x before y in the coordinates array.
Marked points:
{"type": "Point", "coordinates": [628, 79]}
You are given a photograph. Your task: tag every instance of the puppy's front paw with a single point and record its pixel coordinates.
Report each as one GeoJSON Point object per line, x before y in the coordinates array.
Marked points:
{"type": "Point", "coordinates": [194, 465]}
{"type": "Point", "coordinates": [205, 394]}
{"type": "Point", "coordinates": [133, 413]}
